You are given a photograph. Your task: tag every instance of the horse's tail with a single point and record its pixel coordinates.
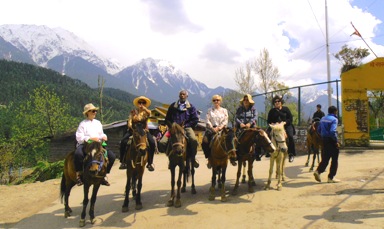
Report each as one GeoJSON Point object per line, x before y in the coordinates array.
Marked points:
{"type": "Point", "coordinates": [62, 187]}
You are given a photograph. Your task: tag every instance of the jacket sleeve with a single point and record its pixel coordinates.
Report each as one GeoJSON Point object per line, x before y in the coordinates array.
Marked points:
{"type": "Point", "coordinates": [193, 118]}
{"type": "Point", "coordinates": [255, 115]}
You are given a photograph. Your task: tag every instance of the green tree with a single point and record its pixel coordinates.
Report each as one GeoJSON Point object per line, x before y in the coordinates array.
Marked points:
{"type": "Point", "coordinates": [351, 58]}
{"type": "Point", "coordinates": [231, 103]}
{"type": "Point", "coordinates": [39, 119]}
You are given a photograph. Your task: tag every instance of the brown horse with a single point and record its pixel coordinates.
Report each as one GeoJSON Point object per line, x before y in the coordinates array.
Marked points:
{"type": "Point", "coordinates": [278, 137]}
{"type": "Point", "coordinates": [247, 139]}
{"type": "Point", "coordinates": [222, 147]}
{"type": "Point", "coordinates": [178, 157]}
{"type": "Point", "coordinates": [136, 159]}
{"type": "Point", "coordinates": [95, 165]}
{"type": "Point", "coordinates": [314, 144]}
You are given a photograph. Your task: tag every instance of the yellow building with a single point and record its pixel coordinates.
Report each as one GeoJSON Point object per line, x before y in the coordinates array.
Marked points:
{"type": "Point", "coordinates": [354, 86]}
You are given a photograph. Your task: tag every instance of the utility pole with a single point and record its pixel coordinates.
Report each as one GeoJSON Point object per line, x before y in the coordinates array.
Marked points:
{"type": "Point", "coordinates": [328, 64]}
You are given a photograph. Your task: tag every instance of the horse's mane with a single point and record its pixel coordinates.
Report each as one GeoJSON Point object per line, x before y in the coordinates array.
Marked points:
{"type": "Point", "coordinates": [278, 127]}
{"type": "Point", "coordinates": [176, 128]}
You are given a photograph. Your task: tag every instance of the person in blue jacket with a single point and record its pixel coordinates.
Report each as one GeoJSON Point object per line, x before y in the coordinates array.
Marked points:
{"type": "Point", "coordinates": [328, 132]}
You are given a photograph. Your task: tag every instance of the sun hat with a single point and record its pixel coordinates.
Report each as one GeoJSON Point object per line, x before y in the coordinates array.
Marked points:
{"type": "Point", "coordinates": [147, 101]}
{"type": "Point", "coordinates": [89, 107]}
{"type": "Point", "coordinates": [249, 99]}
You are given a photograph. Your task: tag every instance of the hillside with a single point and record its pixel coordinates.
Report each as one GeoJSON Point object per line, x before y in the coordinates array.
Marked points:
{"type": "Point", "coordinates": [19, 80]}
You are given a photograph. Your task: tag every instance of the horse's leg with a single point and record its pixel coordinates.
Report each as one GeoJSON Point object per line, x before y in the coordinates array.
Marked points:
{"type": "Point", "coordinates": [139, 179]}
{"type": "Point", "coordinates": [284, 158]}
{"type": "Point", "coordinates": [85, 203]}
{"type": "Point", "coordinates": [279, 169]}
{"type": "Point", "coordinates": [172, 199]}
{"type": "Point", "coordinates": [125, 207]}
{"type": "Point", "coordinates": [250, 176]}
{"type": "Point", "coordinates": [68, 187]}
{"type": "Point", "coordinates": [243, 179]}
{"type": "Point", "coordinates": [185, 176]}
{"type": "Point", "coordinates": [315, 152]}
{"type": "Point", "coordinates": [133, 186]}
{"type": "Point", "coordinates": [271, 163]}
{"type": "Point", "coordinates": [178, 196]}
{"type": "Point", "coordinates": [218, 173]}
{"type": "Point", "coordinates": [235, 189]}
{"type": "Point", "coordinates": [93, 201]}
{"type": "Point", "coordinates": [309, 152]}
{"type": "Point", "coordinates": [193, 188]}
{"type": "Point", "coordinates": [212, 191]}
{"type": "Point", "coordinates": [223, 178]}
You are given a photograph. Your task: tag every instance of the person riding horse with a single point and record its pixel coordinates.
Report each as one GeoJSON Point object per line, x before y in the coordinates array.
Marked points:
{"type": "Point", "coordinates": [217, 119]}
{"type": "Point", "coordinates": [140, 114]}
{"type": "Point", "coordinates": [90, 129]}
{"type": "Point", "coordinates": [246, 117]}
{"type": "Point", "coordinates": [185, 114]}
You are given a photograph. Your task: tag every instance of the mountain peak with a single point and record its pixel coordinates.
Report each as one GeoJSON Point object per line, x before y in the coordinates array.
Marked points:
{"type": "Point", "coordinates": [44, 44]}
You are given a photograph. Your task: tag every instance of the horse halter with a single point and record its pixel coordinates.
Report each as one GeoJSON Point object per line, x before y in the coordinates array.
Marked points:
{"type": "Point", "coordinates": [223, 144]}
{"type": "Point", "coordinates": [279, 142]}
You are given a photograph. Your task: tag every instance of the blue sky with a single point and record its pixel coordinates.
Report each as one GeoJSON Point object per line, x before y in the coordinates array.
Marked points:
{"type": "Point", "coordinates": [211, 39]}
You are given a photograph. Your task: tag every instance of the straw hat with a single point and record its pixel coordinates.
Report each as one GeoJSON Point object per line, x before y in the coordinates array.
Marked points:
{"type": "Point", "coordinates": [89, 107]}
{"type": "Point", "coordinates": [249, 99]}
{"type": "Point", "coordinates": [147, 101]}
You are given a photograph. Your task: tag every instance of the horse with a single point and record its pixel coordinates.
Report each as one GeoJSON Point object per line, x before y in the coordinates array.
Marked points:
{"type": "Point", "coordinates": [178, 157]}
{"type": "Point", "coordinates": [247, 139]}
{"type": "Point", "coordinates": [95, 165]}
{"type": "Point", "coordinates": [278, 137]}
{"type": "Point", "coordinates": [136, 159]}
{"type": "Point", "coordinates": [314, 144]}
{"type": "Point", "coordinates": [222, 147]}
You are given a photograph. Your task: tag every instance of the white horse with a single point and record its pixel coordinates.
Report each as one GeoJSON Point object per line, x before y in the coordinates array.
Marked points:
{"type": "Point", "coordinates": [278, 138]}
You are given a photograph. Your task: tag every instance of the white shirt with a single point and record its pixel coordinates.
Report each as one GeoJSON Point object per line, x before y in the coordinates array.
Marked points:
{"type": "Point", "coordinates": [217, 117]}
{"type": "Point", "coordinates": [89, 129]}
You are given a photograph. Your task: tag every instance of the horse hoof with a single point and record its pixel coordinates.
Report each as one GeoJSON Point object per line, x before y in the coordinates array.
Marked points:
{"type": "Point", "coordinates": [67, 214]}
{"type": "Point", "coordinates": [311, 169]}
{"type": "Point", "coordinates": [170, 203]}
{"type": "Point", "coordinates": [183, 190]}
{"type": "Point", "coordinates": [279, 188]}
{"type": "Point", "coordinates": [93, 221]}
{"type": "Point", "coordinates": [243, 181]}
{"type": "Point", "coordinates": [224, 199]}
{"type": "Point", "coordinates": [178, 204]}
{"type": "Point", "coordinates": [193, 191]}
{"type": "Point", "coordinates": [211, 198]}
{"type": "Point", "coordinates": [82, 223]}
{"type": "Point", "coordinates": [306, 164]}
{"type": "Point", "coordinates": [234, 192]}
{"type": "Point", "coordinates": [253, 183]}
{"type": "Point", "coordinates": [125, 209]}
{"type": "Point", "coordinates": [138, 207]}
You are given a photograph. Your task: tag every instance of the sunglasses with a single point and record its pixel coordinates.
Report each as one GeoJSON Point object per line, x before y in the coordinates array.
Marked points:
{"type": "Point", "coordinates": [277, 101]}
{"type": "Point", "coordinates": [93, 111]}
{"type": "Point", "coordinates": [215, 100]}
{"type": "Point", "coordinates": [142, 102]}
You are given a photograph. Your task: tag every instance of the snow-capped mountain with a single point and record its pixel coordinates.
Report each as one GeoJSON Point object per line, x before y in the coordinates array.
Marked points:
{"type": "Point", "coordinates": [43, 44]}
{"type": "Point", "coordinates": [161, 80]}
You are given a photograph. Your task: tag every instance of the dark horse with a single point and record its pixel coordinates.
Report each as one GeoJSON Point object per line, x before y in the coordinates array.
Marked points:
{"type": "Point", "coordinates": [178, 157]}
{"type": "Point", "coordinates": [136, 159]}
{"type": "Point", "coordinates": [95, 165]}
{"type": "Point", "coordinates": [222, 148]}
{"type": "Point", "coordinates": [245, 143]}
{"type": "Point", "coordinates": [314, 144]}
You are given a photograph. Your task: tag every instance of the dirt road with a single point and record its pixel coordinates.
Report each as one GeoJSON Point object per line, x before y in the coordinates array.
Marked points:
{"type": "Point", "coordinates": [356, 202]}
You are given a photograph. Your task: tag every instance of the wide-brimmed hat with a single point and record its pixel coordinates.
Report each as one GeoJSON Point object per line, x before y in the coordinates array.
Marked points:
{"type": "Point", "coordinates": [249, 99]}
{"type": "Point", "coordinates": [147, 101]}
{"type": "Point", "coordinates": [89, 107]}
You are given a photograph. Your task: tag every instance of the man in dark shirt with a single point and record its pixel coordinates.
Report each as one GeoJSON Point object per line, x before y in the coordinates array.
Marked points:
{"type": "Point", "coordinates": [318, 114]}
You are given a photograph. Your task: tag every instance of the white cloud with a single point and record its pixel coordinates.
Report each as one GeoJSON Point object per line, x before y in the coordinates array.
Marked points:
{"type": "Point", "coordinates": [210, 39]}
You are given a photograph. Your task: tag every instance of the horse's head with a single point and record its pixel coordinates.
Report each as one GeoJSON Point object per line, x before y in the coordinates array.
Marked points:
{"type": "Point", "coordinates": [178, 139]}
{"type": "Point", "coordinates": [263, 140]}
{"type": "Point", "coordinates": [95, 162]}
{"type": "Point", "coordinates": [139, 137]}
{"type": "Point", "coordinates": [229, 141]}
{"type": "Point", "coordinates": [279, 136]}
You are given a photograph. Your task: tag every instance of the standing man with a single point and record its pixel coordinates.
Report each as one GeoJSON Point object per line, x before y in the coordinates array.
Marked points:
{"type": "Point", "coordinates": [318, 114]}
{"type": "Point", "coordinates": [183, 113]}
{"type": "Point", "coordinates": [328, 132]}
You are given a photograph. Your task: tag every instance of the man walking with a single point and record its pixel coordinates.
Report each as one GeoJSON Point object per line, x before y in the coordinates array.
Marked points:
{"type": "Point", "coordinates": [328, 132]}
